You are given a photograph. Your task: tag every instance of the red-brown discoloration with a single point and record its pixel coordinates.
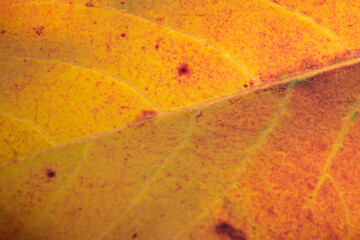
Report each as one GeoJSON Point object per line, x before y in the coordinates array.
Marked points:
{"type": "Point", "coordinates": [89, 4]}
{"type": "Point", "coordinates": [146, 115]}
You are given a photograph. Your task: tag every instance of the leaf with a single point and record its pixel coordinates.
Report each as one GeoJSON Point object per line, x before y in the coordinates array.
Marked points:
{"type": "Point", "coordinates": [179, 120]}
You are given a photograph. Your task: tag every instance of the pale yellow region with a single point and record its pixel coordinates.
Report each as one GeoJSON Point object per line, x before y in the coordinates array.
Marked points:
{"type": "Point", "coordinates": [340, 17]}
{"type": "Point", "coordinates": [266, 38]}
{"type": "Point", "coordinates": [171, 68]}
{"type": "Point", "coordinates": [19, 139]}
{"type": "Point", "coordinates": [117, 169]}
{"type": "Point", "coordinates": [29, 187]}
{"type": "Point", "coordinates": [69, 102]}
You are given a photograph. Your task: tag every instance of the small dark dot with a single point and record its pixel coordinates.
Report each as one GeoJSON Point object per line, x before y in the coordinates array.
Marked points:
{"type": "Point", "coordinates": [122, 3]}
{"type": "Point", "coordinates": [50, 173]}
{"type": "Point", "coordinates": [156, 46]}
{"type": "Point", "coordinates": [134, 235]}
{"type": "Point", "coordinates": [183, 69]}
{"type": "Point", "coordinates": [123, 35]}
{"type": "Point", "coordinates": [80, 209]}
{"type": "Point", "coordinates": [3, 31]}
{"type": "Point", "coordinates": [245, 85]}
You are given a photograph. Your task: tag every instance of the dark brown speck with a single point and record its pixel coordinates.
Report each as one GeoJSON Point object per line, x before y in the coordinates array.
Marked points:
{"type": "Point", "coordinates": [50, 173]}
{"type": "Point", "coordinates": [183, 69]}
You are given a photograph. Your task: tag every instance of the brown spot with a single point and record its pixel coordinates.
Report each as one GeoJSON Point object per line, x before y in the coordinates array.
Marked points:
{"type": "Point", "coordinates": [156, 46]}
{"type": "Point", "coordinates": [3, 31]}
{"type": "Point", "coordinates": [89, 4]}
{"type": "Point", "coordinates": [123, 35]}
{"type": "Point", "coordinates": [245, 85]}
{"type": "Point", "coordinates": [228, 230]}
{"type": "Point", "coordinates": [146, 115]}
{"type": "Point", "coordinates": [50, 173]}
{"type": "Point", "coordinates": [39, 30]}
{"type": "Point", "coordinates": [122, 3]}
{"type": "Point", "coordinates": [134, 235]}
{"type": "Point", "coordinates": [183, 69]}
{"type": "Point", "coordinates": [310, 64]}
{"type": "Point", "coordinates": [159, 19]}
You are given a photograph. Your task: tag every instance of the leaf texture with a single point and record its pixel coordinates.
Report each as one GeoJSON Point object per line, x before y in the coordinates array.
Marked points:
{"type": "Point", "coordinates": [179, 120]}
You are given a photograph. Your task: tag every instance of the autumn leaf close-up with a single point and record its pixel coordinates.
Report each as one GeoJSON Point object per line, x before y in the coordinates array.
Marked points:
{"type": "Point", "coordinates": [180, 119]}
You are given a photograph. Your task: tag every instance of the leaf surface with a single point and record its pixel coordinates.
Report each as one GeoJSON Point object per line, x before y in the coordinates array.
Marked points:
{"type": "Point", "coordinates": [179, 120]}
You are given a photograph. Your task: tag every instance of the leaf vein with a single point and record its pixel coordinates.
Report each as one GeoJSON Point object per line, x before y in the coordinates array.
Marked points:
{"type": "Point", "coordinates": [157, 171]}
{"type": "Point", "coordinates": [198, 39]}
{"type": "Point", "coordinates": [335, 149]}
{"type": "Point", "coordinates": [102, 73]}
{"type": "Point", "coordinates": [33, 125]}
{"type": "Point", "coordinates": [347, 210]}
{"type": "Point", "coordinates": [336, 146]}
{"type": "Point", "coordinates": [247, 158]}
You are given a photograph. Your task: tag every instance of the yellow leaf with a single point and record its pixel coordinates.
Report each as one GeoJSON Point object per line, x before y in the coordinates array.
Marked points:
{"type": "Point", "coordinates": [179, 119]}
